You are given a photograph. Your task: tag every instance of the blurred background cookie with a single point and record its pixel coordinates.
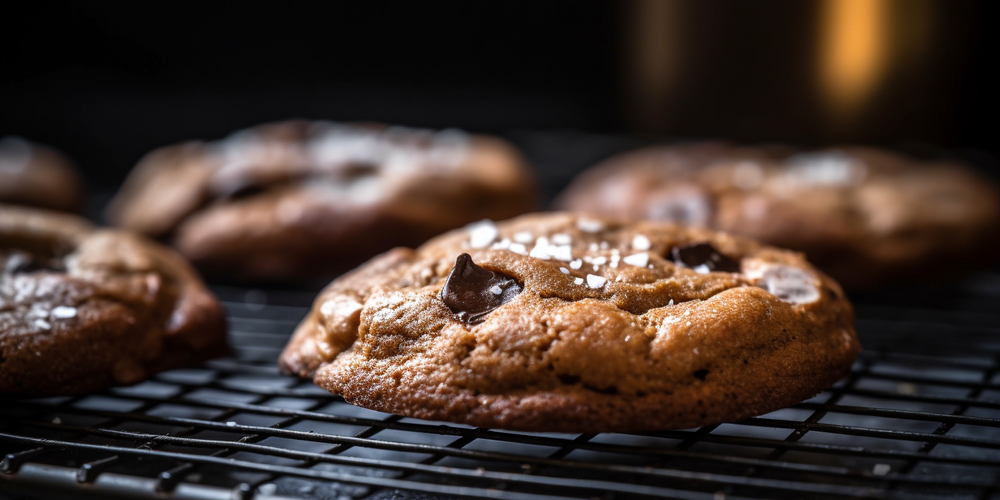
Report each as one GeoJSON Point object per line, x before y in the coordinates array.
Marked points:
{"type": "Point", "coordinates": [302, 199]}
{"type": "Point", "coordinates": [864, 215]}
{"type": "Point", "coordinates": [83, 308]}
{"type": "Point", "coordinates": [34, 175]}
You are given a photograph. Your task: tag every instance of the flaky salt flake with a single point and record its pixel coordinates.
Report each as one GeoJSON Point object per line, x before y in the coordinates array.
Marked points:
{"type": "Point", "coordinates": [541, 250]}
{"type": "Point", "coordinates": [482, 233]}
{"type": "Point", "coordinates": [231, 423]}
{"type": "Point", "coordinates": [640, 242]}
{"type": "Point", "coordinates": [702, 269]}
{"type": "Point", "coordinates": [600, 261]}
{"type": "Point", "coordinates": [64, 312]}
{"type": "Point", "coordinates": [518, 248]}
{"type": "Point", "coordinates": [594, 281]}
{"type": "Point", "coordinates": [503, 244]}
{"type": "Point", "coordinates": [496, 290]}
{"type": "Point", "coordinates": [671, 302]}
{"type": "Point", "coordinates": [564, 270]}
{"type": "Point", "coordinates": [523, 237]}
{"type": "Point", "coordinates": [589, 225]}
{"type": "Point", "coordinates": [576, 264]}
{"type": "Point", "coordinates": [267, 488]}
{"type": "Point", "coordinates": [44, 325]}
{"type": "Point", "coordinates": [637, 259]}
{"type": "Point", "coordinates": [561, 239]}
{"type": "Point", "coordinates": [578, 281]}
{"type": "Point", "coordinates": [561, 252]}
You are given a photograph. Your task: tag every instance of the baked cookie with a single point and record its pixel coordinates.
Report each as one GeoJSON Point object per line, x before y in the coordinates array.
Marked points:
{"type": "Point", "coordinates": [867, 217]}
{"type": "Point", "coordinates": [83, 308]}
{"type": "Point", "coordinates": [305, 199]}
{"type": "Point", "coordinates": [37, 176]}
{"type": "Point", "coordinates": [553, 322]}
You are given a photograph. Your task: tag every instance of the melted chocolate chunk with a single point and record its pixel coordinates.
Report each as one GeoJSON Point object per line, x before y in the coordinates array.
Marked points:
{"type": "Point", "coordinates": [703, 254]}
{"type": "Point", "coordinates": [472, 291]}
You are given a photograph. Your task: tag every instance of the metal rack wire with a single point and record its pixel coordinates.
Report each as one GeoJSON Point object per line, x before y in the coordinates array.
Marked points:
{"type": "Point", "coordinates": [919, 417]}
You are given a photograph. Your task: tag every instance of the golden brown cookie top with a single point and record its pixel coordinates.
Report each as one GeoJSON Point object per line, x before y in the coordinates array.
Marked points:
{"type": "Point", "coordinates": [865, 215]}
{"type": "Point", "coordinates": [68, 288]}
{"type": "Point", "coordinates": [356, 165]}
{"type": "Point", "coordinates": [574, 308]}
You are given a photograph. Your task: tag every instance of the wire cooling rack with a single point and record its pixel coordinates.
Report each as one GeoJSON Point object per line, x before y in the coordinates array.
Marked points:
{"type": "Point", "coordinates": [919, 417]}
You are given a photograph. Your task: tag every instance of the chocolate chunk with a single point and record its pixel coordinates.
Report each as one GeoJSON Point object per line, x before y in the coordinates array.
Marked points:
{"type": "Point", "coordinates": [472, 291]}
{"type": "Point", "coordinates": [703, 258]}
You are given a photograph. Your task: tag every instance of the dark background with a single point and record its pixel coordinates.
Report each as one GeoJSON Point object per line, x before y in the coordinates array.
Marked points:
{"type": "Point", "coordinates": [107, 82]}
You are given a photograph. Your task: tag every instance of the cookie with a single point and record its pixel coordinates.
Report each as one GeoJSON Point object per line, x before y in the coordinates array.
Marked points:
{"type": "Point", "coordinates": [867, 217]}
{"type": "Point", "coordinates": [83, 308]}
{"type": "Point", "coordinates": [37, 176]}
{"type": "Point", "coordinates": [554, 322]}
{"type": "Point", "coordinates": [303, 199]}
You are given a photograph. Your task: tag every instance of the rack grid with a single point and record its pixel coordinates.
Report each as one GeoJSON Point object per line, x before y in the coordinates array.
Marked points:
{"type": "Point", "coordinates": [918, 417]}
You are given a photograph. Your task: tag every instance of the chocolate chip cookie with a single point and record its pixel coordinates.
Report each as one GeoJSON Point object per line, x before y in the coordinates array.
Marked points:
{"type": "Point", "coordinates": [83, 308]}
{"type": "Point", "coordinates": [868, 217]}
{"type": "Point", "coordinates": [556, 322]}
{"type": "Point", "coordinates": [37, 176]}
{"type": "Point", "coordinates": [304, 199]}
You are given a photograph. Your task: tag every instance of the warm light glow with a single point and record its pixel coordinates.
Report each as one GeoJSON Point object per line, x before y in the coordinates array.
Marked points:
{"type": "Point", "coordinates": [853, 53]}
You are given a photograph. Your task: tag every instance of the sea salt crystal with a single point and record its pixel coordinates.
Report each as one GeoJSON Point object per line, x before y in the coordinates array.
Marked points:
{"type": "Point", "coordinates": [789, 284]}
{"type": "Point", "coordinates": [596, 281]}
{"type": "Point", "coordinates": [64, 312]}
{"type": "Point", "coordinates": [578, 281]}
{"type": "Point", "coordinates": [561, 252]}
{"type": "Point", "coordinates": [44, 325]}
{"type": "Point", "coordinates": [564, 270]}
{"type": "Point", "coordinates": [637, 259]}
{"type": "Point", "coordinates": [589, 225]}
{"type": "Point", "coordinates": [482, 233]}
{"type": "Point", "coordinates": [518, 248]}
{"type": "Point", "coordinates": [503, 244]}
{"type": "Point", "coordinates": [523, 237]}
{"type": "Point", "coordinates": [881, 469]}
{"type": "Point", "coordinates": [496, 290]}
{"type": "Point", "coordinates": [702, 269]}
{"type": "Point", "coordinates": [561, 239]}
{"type": "Point", "coordinates": [600, 261]}
{"type": "Point", "coordinates": [576, 264]}
{"type": "Point", "coordinates": [541, 250]}
{"type": "Point", "coordinates": [640, 242]}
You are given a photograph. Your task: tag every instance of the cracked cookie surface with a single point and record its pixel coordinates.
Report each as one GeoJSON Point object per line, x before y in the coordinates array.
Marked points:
{"type": "Point", "coordinates": [868, 217]}
{"type": "Point", "coordinates": [306, 199]}
{"type": "Point", "coordinates": [83, 308]}
{"type": "Point", "coordinates": [579, 325]}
